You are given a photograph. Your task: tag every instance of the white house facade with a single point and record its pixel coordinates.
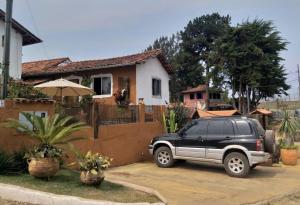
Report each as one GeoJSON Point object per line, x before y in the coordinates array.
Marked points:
{"type": "Point", "coordinates": [20, 37]}
{"type": "Point", "coordinates": [152, 82]}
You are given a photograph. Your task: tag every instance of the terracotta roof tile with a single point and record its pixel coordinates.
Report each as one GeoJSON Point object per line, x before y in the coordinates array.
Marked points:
{"type": "Point", "coordinates": [199, 88]}
{"type": "Point", "coordinates": [40, 70]}
{"type": "Point", "coordinates": [220, 113]}
{"type": "Point", "coordinates": [41, 66]}
{"type": "Point", "coordinates": [262, 111]}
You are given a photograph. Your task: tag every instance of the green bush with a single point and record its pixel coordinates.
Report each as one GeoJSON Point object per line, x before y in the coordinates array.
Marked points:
{"type": "Point", "coordinates": [12, 163]}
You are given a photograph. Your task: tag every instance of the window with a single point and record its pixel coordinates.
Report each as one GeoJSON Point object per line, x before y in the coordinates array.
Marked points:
{"type": "Point", "coordinates": [220, 127]}
{"type": "Point", "coordinates": [199, 96]}
{"type": "Point", "coordinates": [198, 129]}
{"type": "Point", "coordinates": [156, 87]}
{"type": "Point", "coordinates": [243, 127]}
{"type": "Point", "coordinates": [102, 85]}
{"type": "Point", "coordinates": [192, 96]}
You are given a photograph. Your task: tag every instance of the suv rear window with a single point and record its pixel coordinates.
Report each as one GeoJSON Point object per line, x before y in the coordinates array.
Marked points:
{"type": "Point", "coordinates": [243, 127]}
{"type": "Point", "coordinates": [220, 127]}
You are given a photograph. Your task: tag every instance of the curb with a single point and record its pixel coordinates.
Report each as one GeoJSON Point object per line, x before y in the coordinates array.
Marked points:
{"type": "Point", "coordinates": [138, 187]}
{"type": "Point", "coordinates": [273, 199]}
{"type": "Point", "coordinates": [21, 194]}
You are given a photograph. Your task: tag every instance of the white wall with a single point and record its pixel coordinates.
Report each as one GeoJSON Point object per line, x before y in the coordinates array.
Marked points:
{"type": "Point", "coordinates": [152, 68]}
{"type": "Point", "coordinates": [15, 52]}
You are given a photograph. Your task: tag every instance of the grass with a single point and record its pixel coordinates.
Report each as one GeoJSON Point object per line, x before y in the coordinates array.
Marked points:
{"type": "Point", "coordinates": [68, 183]}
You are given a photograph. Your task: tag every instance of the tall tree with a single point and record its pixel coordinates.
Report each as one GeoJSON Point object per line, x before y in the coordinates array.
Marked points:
{"type": "Point", "coordinates": [198, 43]}
{"type": "Point", "coordinates": [249, 55]}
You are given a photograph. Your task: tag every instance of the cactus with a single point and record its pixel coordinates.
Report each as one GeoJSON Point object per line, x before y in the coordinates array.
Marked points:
{"type": "Point", "coordinates": [169, 123]}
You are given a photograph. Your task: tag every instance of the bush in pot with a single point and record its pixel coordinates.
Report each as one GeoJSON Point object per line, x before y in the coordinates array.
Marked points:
{"type": "Point", "coordinates": [92, 168]}
{"type": "Point", "coordinates": [50, 132]}
{"type": "Point", "coordinates": [287, 130]}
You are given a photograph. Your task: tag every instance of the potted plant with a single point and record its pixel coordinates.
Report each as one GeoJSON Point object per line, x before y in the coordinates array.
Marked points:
{"type": "Point", "coordinates": [92, 168]}
{"type": "Point", "coordinates": [287, 130]}
{"type": "Point", "coordinates": [50, 132]}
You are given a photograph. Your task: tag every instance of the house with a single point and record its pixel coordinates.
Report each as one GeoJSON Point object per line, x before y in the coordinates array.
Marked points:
{"type": "Point", "coordinates": [20, 37]}
{"type": "Point", "coordinates": [144, 76]}
{"type": "Point", "coordinates": [196, 97]}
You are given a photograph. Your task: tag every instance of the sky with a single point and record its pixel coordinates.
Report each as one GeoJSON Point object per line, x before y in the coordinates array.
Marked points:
{"type": "Point", "coordinates": [95, 29]}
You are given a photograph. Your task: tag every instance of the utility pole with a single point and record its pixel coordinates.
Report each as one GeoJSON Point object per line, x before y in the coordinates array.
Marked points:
{"type": "Point", "coordinates": [6, 53]}
{"type": "Point", "coordinates": [298, 81]}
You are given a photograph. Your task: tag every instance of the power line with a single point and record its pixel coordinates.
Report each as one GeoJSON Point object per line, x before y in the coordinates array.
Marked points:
{"type": "Point", "coordinates": [36, 29]}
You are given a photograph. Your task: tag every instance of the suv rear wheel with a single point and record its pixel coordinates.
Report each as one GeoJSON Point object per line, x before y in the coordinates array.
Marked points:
{"type": "Point", "coordinates": [163, 157]}
{"type": "Point", "coordinates": [236, 164]}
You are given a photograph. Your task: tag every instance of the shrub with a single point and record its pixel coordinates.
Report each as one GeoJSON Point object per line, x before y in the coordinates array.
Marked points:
{"type": "Point", "coordinates": [93, 163]}
{"type": "Point", "coordinates": [12, 163]}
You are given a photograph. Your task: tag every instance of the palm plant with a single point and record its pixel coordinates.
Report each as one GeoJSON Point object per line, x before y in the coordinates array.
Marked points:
{"type": "Point", "coordinates": [287, 129]}
{"type": "Point", "coordinates": [51, 130]}
{"type": "Point", "coordinates": [170, 124]}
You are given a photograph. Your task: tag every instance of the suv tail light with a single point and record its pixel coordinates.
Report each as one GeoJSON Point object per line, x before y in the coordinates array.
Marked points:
{"type": "Point", "coordinates": [259, 145]}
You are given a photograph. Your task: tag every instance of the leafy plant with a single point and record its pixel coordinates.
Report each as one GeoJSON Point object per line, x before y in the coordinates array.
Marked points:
{"type": "Point", "coordinates": [170, 124]}
{"type": "Point", "coordinates": [18, 89]}
{"type": "Point", "coordinates": [93, 163]}
{"type": "Point", "coordinates": [287, 130]}
{"type": "Point", "coordinates": [12, 163]}
{"type": "Point", "coordinates": [50, 130]}
{"type": "Point", "coordinates": [44, 151]}
{"type": "Point", "coordinates": [87, 99]}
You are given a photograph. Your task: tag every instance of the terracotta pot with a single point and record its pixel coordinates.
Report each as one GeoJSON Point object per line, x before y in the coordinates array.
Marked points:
{"type": "Point", "coordinates": [89, 178]}
{"type": "Point", "coordinates": [43, 167]}
{"type": "Point", "coordinates": [289, 156]}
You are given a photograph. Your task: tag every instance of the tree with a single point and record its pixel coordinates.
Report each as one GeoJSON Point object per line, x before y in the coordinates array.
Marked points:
{"type": "Point", "coordinates": [198, 43]}
{"type": "Point", "coordinates": [249, 56]}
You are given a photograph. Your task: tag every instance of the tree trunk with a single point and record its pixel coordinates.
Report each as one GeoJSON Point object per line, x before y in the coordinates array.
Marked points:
{"type": "Point", "coordinates": [240, 96]}
{"type": "Point", "coordinates": [207, 89]}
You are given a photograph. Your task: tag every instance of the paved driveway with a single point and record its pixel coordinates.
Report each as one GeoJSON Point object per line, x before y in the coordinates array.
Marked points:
{"type": "Point", "coordinates": [202, 184]}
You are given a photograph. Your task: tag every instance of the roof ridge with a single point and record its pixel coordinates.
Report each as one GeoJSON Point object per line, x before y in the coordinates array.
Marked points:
{"type": "Point", "coordinates": [117, 57]}
{"type": "Point", "coordinates": [38, 61]}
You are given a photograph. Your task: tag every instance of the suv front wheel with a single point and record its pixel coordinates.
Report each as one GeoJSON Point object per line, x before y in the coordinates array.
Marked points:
{"type": "Point", "coordinates": [237, 165]}
{"type": "Point", "coordinates": [163, 157]}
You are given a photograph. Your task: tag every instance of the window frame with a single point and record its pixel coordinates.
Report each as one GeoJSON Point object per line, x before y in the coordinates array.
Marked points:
{"type": "Point", "coordinates": [102, 76]}
{"type": "Point", "coordinates": [160, 92]}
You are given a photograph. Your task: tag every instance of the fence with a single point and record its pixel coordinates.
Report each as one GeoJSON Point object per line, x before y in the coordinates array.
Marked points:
{"type": "Point", "coordinates": [81, 114]}
{"type": "Point", "coordinates": [280, 105]}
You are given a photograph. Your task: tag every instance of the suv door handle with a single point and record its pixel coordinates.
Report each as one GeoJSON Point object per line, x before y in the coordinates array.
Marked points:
{"type": "Point", "coordinates": [227, 138]}
{"type": "Point", "coordinates": [200, 138]}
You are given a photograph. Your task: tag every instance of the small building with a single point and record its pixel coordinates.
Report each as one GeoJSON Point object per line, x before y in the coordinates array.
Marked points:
{"type": "Point", "coordinates": [20, 36]}
{"type": "Point", "coordinates": [144, 76]}
{"type": "Point", "coordinates": [196, 97]}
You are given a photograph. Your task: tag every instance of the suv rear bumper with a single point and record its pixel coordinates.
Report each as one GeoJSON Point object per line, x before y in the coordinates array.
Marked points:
{"type": "Point", "coordinates": [259, 157]}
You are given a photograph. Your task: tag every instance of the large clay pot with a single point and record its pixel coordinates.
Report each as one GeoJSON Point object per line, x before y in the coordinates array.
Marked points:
{"type": "Point", "coordinates": [43, 167]}
{"type": "Point", "coordinates": [289, 156]}
{"type": "Point", "coordinates": [89, 178]}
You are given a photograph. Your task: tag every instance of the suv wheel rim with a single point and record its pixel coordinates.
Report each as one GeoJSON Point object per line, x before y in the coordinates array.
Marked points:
{"type": "Point", "coordinates": [236, 165]}
{"type": "Point", "coordinates": [163, 157]}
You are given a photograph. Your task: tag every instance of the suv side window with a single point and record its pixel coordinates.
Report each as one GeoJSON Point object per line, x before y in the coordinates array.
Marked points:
{"type": "Point", "coordinates": [220, 127]}
{"type": "Point", "coordinates": [243, 127]}
{"type": "Point", "coordinates": [198, 129]}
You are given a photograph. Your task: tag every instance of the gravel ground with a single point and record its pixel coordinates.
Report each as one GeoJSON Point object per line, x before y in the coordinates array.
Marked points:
{"type": "Point", "coordinates": [289, 200]}
{"type": "Point", "coordinates": [5, 202]}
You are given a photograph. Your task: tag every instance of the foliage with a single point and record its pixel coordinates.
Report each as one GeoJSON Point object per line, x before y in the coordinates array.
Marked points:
{"type": "Point", "coordinates": [18, 89]}
{"type": "Point", "coordinates": [12, 163]}
{"type": "Point", "coordinates": [50, 130]}
{"type": "Point", "coordinates": [87, 99]}
{"type": "Point", "coordinates": [170, 124]}
{"type": "Point", "coordinates": [248, 55]}
{"type": "Point", "coordinates": [287, 130]}
{"type": "Point", "coordinates": [21, 161]}
{"type": "Point", "coordinates": [93, 163]}
{"type": "Point", "coordinates": [176, 117]}
{"type": "Point", "coordinates": [45, 151]}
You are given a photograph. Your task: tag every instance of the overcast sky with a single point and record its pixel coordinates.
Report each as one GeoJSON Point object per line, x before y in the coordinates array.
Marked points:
{"type": "Point", "coordinates": [91, 29]}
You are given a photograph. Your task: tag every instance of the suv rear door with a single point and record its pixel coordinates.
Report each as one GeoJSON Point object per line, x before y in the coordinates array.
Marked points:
{"type": "Point", "coordinates": [220, 133]}
{"type": "Point", "coordinates": [192, 142]}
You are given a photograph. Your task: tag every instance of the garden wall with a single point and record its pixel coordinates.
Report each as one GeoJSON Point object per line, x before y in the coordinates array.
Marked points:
{"type": "Point", "coordinates": [10, 140]}
{"type": "Point", "coordinates": [126, 143]}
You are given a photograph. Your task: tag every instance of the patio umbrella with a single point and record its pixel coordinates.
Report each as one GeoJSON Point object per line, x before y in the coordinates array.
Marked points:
{"type": "Point", "coordinates": [62, 87]}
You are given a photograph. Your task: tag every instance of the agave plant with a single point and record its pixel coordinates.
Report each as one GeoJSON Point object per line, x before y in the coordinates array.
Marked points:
{"type": "Point", "coordinates": [51, 130]}
{"type": "Point", "coordinates": [287, 129]}
{"type": "Point", "coordinates": [170, 124]}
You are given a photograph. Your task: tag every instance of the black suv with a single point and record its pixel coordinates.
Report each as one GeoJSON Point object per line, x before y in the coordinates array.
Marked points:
{"type": "Point", "coordinates": [235, 142]}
